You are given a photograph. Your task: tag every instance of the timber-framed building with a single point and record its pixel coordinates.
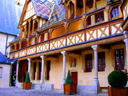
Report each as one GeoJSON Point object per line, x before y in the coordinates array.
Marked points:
{"type": "Point", "coordinates": [83, 36]}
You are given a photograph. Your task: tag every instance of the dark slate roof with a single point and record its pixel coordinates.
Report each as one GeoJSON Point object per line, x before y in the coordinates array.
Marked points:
{"type": "Point", "coordinates": [4, 59]}
{"type": "Point", "coordinates": [10, 16]}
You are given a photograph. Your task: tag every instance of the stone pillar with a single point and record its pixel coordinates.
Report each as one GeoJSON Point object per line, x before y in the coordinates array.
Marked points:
{"type": "Point", "coordinates": [17, 71]}
{"type": "Point", "coordinates": [64, 67]}
{"type": "Point", "coordinates": [96, 81]}
{"type": "Point", "coordinates": [42, 69]}
{"type": "Point", "coordinates": [29, 66]}
{"type": "Point", "coordinates": [126, 43]}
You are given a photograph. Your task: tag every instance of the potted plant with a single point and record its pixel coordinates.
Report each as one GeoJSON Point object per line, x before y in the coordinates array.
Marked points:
{"type": "Point", "coordinates": [117, 79]}
{"type": "Point", "coordinates": [70, 87]}
{"type": "Point", "coordinates": [27, 84]}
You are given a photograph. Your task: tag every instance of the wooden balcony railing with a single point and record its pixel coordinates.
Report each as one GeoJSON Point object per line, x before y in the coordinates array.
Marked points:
{"type": "Point", "coordinates": [98, 31]}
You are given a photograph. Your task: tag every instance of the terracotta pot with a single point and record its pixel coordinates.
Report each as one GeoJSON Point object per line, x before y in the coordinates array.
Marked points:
{"type": "Point", "coordinates": [70, 88]}
{"type": "Point", "coordinates": [113, 91]}
{"type": "Point", "coordinates": [27, 85]}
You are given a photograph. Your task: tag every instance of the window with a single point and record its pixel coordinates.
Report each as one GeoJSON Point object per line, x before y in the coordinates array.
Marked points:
{"type": "Point", "coordinates": [88, 64]}
{"type": "Point", "coordinates": [115, 12]}
{"type": "Point", "coordinates": [48, 70]}
{"type": "Point", "coordinates": [42, 37]}
{"type": "Point", "coordinates": [89, 20]}
{"type": "Point", "coordinates": [0, 72]}
{"type": "Point", "coordinates": [119, 59]}
{"type": "Point", "coordinates": [101, 61]}
{"type": "Point", "coordinates": [99, 17]}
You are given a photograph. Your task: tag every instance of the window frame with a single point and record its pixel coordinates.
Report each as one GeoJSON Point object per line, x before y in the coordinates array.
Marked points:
{"type": "Point", "coordinates": [102, 57]}
{"type": "Point", "coordinates": [1, 69]}
{"type": "Point", "coordinates": [90, 61]}
{"type": "Point", "coordinates": [99, 17]}
{"type": "Point", "coordinates": [120, 59]}
{"type": "Point", "coordinates": [116, 12]}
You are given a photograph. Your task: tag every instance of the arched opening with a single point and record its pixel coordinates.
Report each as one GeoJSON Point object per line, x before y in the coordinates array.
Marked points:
{"type": "Point", "coordinates": [58, 32]}
{"type": "Point", "coordinates": [115, 12]}
{"type": "Point", "coordinates": [88, 21]}
{"type": "Point", "coordinates": [70, 11]}
{"type": "Point", "coordinates": [74, 26]}
{"type": "Point", "coordinates": [80, 9]}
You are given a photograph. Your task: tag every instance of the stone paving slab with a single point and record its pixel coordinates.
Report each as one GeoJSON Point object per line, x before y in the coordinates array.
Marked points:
{"type": "Point", "coordinates": [14, 91]}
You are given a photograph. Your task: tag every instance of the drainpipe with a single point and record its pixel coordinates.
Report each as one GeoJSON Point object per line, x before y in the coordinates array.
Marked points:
{"type": "Point", "coordinates": [6, 45]}
{"type": "Point", "coordinates": [10, 73]}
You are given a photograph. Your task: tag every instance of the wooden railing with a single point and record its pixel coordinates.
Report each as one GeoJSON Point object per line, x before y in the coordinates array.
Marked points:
{"type": "Point", "coordinates": [102, 30]}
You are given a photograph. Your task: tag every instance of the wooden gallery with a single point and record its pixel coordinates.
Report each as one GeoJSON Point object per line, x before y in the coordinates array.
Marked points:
{"type": "Point", "coordinates": [87, 37]}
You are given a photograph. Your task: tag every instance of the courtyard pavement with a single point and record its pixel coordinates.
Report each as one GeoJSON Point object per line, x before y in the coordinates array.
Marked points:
{"type": "Point", "coordinates": [14, 91]}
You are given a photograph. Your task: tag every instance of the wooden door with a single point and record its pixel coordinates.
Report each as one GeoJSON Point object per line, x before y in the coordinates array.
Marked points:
{"type": "Point", "coordinates": [74, 77]}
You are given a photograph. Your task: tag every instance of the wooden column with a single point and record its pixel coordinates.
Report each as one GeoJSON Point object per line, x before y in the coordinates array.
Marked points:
{"type": "Point", "coordinates": [50, 33]}
{"type": "Point", "coordinates": [28, 43]}
{"type": "Point", "coordinates": [26, 32]}
{"type": "Point", "coordinates": [94, 1]}
{"type": "Point", "coordinates": [33, 30]}
{"type": "Point", "coordinates": [66, 16]}
{"type": "Point", "coordinates": [38, 23]}
{"type": "Point", "coordinates": [19, 45]}
{"type": "Point", "coordinates": [84, 4]}
{"type": "Point", "coordinates": [75, 8]}
{"type": "Point", "coordinates": [29, 27]}
{"type": "Point", "coordinates": [21, 33]}
{"type": "Point", "coordinates": [14, 46]}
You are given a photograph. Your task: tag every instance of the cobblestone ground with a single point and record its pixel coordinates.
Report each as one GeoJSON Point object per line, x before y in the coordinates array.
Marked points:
{"type": "Point", "coordinates": [14, 91]}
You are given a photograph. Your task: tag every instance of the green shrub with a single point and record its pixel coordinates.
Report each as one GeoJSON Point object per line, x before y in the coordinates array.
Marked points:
{"type": "Point", "coordinates": [117, 78]}
{"type": "Point", "coordinates": [69, 78]}
{"type": "Point", "coordinates": [27, 79]}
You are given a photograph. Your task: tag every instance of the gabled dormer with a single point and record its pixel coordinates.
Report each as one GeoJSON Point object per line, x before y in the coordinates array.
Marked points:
{"type": "Point", "coordinates": [34, 15]}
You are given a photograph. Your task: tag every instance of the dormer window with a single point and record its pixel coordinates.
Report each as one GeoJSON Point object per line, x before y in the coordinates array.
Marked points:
{"type": "Point", "coordinates": [115, 12]}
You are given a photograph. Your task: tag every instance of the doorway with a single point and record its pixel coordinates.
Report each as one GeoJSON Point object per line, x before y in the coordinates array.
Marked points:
{"type": "Point", "coordinates": [74, 77]}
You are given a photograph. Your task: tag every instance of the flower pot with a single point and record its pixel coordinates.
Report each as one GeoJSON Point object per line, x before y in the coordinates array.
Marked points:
{"type": "Point", "coordinates": [113, 91]}
{"type": "Point", "coordinates": [27, 85]}
{"type": "Point", "coordinates": [70, 88]}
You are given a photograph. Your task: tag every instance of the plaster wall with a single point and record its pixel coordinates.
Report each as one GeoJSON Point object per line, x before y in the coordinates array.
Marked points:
{"type": "Point", "coordinates": [101, 4]}
{"type": "Point", "coordinates": [76, 25]}
{"type": "Point", "coordinates": [4, 81]}
{"type": "Point", "coordinates": [58, 32]}
{"type": "Point", "coordinates": [3, 38]}
{"type": "Point", "coordinates": [84, 78]}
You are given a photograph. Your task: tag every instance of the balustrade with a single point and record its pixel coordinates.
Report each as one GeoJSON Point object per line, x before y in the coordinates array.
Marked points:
{"type": "Point", "coordinates": [71, 38]}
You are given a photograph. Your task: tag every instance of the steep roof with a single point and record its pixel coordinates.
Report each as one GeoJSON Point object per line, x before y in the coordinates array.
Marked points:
{"type": "Point", "coordinates": [43, 8]}
{"type": "Point", "coordinates": [9, 17]}
{"type": "Point", "coordinates": [4, 59]}
{"type": "Point", "coordinates": [51, 11]}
